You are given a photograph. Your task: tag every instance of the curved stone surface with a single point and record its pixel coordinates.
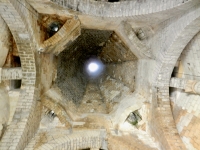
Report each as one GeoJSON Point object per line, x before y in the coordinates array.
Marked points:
{"type": "Point", "coordinates": [120, 9]}
{"type": "Point", "coordinates": [5, 105]}
{"type": "Point", "coordinates": [25, 115]}
{"type": "Point", "coordinates": [5, 41]}
{"type": "Point", "coordinates": [167, 59]}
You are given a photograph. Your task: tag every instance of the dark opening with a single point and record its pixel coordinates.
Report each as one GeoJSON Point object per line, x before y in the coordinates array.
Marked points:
{"type": "Point", "coordinates": [15, 84]}
{"type": "Point", "coordinates": [113, 1]}
{"type": "Point", "coordinates": [53, 28]}
{"type": "Point", "coordinates": [71, 77]}
{"type": "Point", "coordinates": [16, 61]}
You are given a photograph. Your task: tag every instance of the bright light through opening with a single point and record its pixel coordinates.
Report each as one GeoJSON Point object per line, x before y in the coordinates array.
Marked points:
{"type": "Point", "coordinates": [55, 29]}
{"type": "Point", "coordinates": [93, 67]}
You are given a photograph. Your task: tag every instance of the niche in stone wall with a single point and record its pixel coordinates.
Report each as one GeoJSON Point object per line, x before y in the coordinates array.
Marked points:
{"type": "Point", "coordinates": [13, 61]}
{"type": "Point", "coordinates": [50, 24]}
{"type": "Point", "coordinates": [134, 118]}
{"type": "Point", "coordinates": [15, 84]}
{"type": "Point", "coordinates": [113, 1]}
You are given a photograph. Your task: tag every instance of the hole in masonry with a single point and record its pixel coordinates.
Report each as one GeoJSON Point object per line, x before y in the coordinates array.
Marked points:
{"type": "Point", "coordinates": [113, 1]}
{"type": "Point", "coordinates": [53, 28]}
{"type": "Point", "coordinates": [15, 84]}
{"type": "Point", "coordinates": [94, 68]}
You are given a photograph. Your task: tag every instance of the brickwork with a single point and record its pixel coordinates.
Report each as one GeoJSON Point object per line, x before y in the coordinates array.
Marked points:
{"type": "Point", "coordinates": [115, 51]}
{"type": "Point", "coordinates": [76, 140]}
{"type": "Point", "coordinates": [167, 56]}
{"type": "Point", "coordinates": [188, 70]}
{"type": "Point", "coordinates": [191, 132]}
{"type": "Point", "coordinates": [166, 61]}
{"type": "Point", "coordinates": [27, 114]}
{"type": "Point", "coordinates": [29, 16]}
{"type": "Point", "coordinates": [68, 33]}
{"type": "Point", "coordinates": [188, 66]}
{"type": "Point", "coordinates": [188, 126]}
{"type": "Point", "coordinates": [117, 143]}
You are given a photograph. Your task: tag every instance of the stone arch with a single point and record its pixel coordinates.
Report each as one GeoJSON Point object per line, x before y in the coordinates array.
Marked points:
{"type": "Point", "coordinates": [27, 114]}
{"type": "Point", "coordinates": [186, 28]}
{"type": "Point", "coordinates": [182, 99]}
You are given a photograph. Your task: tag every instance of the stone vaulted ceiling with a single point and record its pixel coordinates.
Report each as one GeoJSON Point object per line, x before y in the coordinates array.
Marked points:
{"type": "Point", "coordinates": [146, 97]}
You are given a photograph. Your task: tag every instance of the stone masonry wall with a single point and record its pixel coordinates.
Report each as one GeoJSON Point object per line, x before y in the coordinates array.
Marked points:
{"type": "Point", "coordinates": [169, 51]}
{"type": "Point", "coordinates": [27, 114]}
{"type": "Point", "coordinates": [187, 124]}
{"type": "Point", "coordinates": [124, 72]}
{"type": "Point", "coordinates": [186, 110]}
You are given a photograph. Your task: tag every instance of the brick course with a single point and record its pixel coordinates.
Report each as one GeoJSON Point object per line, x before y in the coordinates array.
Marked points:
{"type": "Point", "coordinates": [27, 114]}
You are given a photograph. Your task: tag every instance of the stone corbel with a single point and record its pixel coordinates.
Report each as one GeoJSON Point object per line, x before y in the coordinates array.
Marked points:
{"type": "Point", "coordinates": [197, 87]}
{"type": "Point", "coordinates": [190, 86]}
